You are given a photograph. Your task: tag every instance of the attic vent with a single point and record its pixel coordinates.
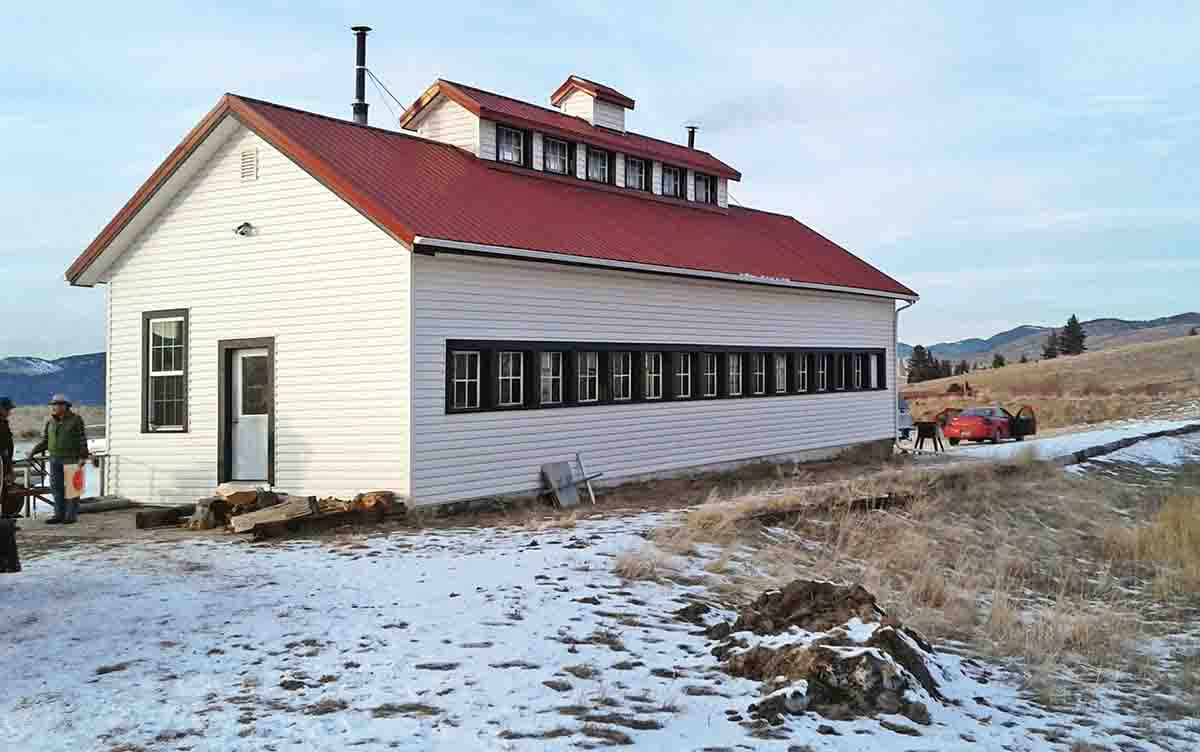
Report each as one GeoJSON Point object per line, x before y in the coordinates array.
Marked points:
{"type": "Point", "coordinates": [249, 166]}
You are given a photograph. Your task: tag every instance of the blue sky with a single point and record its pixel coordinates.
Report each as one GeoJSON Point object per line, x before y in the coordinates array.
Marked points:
{"type": "Point", "coordinates": [1013, 164]}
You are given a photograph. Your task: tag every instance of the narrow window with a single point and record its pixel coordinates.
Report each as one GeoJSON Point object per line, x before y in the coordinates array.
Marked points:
{"type": "Point", "coordinates": [635, 173]}
{"type": "Point", "coordinates": [683, 375]}
{"type": "Point", "coordinates": [759, 372]}
{"type": "Point", "coordinates": [710, 374]}
{"type": "Point", "coordinates": [597, 165]}
{"type": "Point", "coordinates": [858, 370]}
{"type": "Point", "coordinates": [652, 366]}
{"type": "Point", "coordinates": [552, 378]}
{"type": "Point", "coordinates": [166, 373]}
{"type": "Point", "coordinates": [672, 182]}
{"type": "Point", "coordinates": [706, 189]}
{"type": "Point", "coordinates": [781, 373]}
{"type": "Point", "coordinates": [735, 374]}
{"type": "Point", "coordinates": [512, 378]}
{"type": "Point", "coordinates": [622, 375]}
{"type": "Point", "coordinates": [554, 155]}
{"type": "Point", "coordinates": [822, 373]}
{"type": "Point", "coordinates": [464, 379]}
{"type": "Point", "coordinates": [589, 376]}
{"type": "Point", "coordinates": [802, 372]}
{"type": "Point", "coordinates": [510, 145]}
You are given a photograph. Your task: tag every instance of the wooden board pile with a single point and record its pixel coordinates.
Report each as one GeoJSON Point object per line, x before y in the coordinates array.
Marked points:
{"type": "Point", "coordinates": [262, 512]}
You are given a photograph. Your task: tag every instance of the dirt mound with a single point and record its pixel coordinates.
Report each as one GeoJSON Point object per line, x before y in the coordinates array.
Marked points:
{"type": "Point", "coordinates": [843, 671]}
{"type": "Point", "coordinates": [810, 605]}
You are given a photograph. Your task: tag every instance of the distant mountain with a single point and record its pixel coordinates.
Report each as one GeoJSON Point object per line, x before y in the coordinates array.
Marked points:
{"type": "Point", "coordinates": [1028, 339]}
{"type": "Point", "coordinates": [32, 381]}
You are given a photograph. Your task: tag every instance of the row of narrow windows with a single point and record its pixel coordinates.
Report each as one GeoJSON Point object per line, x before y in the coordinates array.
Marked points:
{"type": "Point", "coordinates": [483, 376]}
{"type": "Point", "coordinates": [515, 146]}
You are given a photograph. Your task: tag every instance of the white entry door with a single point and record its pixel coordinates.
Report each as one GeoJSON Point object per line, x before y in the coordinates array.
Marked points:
{"type": "Point", "coordinates": [250, 414]}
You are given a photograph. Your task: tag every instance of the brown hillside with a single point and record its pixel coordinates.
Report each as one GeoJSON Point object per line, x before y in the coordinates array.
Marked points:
{"type": "Point", "coordinates": [1122, 382]}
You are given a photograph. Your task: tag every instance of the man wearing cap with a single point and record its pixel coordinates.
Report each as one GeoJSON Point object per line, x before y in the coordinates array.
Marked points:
{"type": "Point", "coordinates": [65, 440]}
{"type": "Point", "coordinates": [6, 460]}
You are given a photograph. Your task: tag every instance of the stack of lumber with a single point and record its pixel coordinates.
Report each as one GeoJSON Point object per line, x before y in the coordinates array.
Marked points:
{"type": "Point", "coordinates": [291, 509]}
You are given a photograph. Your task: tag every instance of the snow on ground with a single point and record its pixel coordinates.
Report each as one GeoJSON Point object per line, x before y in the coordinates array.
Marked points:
{"type": "Point", "coordinates": [448, 640]}
{"type": "Point", "coordinates": [1161, 456]}
{"type": "Point", "coordinates": [1057, 446]}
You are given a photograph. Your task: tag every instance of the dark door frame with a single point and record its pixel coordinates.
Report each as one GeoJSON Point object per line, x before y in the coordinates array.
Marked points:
{"type": "Point", "coordinates": [225, 351]}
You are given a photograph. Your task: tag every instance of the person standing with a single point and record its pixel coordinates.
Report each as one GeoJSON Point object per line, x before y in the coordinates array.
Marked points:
{"type": "Point", "coordinates": [6, 460]}
{"type": "Point", "coordinates": [65, 440]}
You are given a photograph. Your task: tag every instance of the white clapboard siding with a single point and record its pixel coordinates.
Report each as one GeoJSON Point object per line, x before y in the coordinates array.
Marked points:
{"type": "Point", "coordinates": [538, 151]}
{"type": "Point", "coordinates": [723, 192]}
{"type": "Point", "coordinates": [470, 455]}
{"type": "Point", "coordinates": [689, 184]}
{"type": "Point", "coordinates": [487, 139]}
{"type": "Point", "coordinates": [656, 179]}
{"type": "Point", "coordinates": [579, 104]}
{"type": "Point", "coordinates": [449, 122]}
{"type": "Point", "coordinates": [619, 176]}
{"type": "Point", "coordinates": [581, 161]}
{"type": "Point", "coordinates": [609, 115]}
{"type": "Point", "coordinates": [329, 286]}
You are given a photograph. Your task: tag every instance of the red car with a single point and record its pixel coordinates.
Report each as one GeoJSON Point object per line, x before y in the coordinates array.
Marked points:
{"type": "Point", "coordinates": [990, 424]}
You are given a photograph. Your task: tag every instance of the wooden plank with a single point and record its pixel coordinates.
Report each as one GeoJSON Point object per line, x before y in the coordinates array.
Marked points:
{"type": "Point", "coordinates": [293, 508]}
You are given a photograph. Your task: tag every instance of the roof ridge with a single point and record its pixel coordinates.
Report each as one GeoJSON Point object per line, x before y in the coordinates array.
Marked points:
{"type": "Point", "coordinates": [556, 111]}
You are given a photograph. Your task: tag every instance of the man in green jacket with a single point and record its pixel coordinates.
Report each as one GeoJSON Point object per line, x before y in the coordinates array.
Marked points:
{"type": "Point", "coordinates": [65, 440]}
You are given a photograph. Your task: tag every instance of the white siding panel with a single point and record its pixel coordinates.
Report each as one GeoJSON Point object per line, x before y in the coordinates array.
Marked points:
{"type": "Point", "coordinates": [329, 286]}
{"type": "Point", "coordinates": [449, 122]}
{"type": "Point", "coordinates": [581, 161]}
{"type": "Point", "coordinates": [463, 456]}
{"type": "Point", "coordinates": [609, 115]}
{"type": "Point", "coordinates": [620, 170]}
{"type": "Point", "coordinates": [656, 178]}
{"type": "Point", "coordinates": [538, 158]}
{"type": "Point", "coordinates": [487, 139]}
{"type": "Point", "coordinates": [723, 192]}
{"type": "Point", "coordinates": [579, 104]}
{"type": "Point", "coordinates": [689, 184]}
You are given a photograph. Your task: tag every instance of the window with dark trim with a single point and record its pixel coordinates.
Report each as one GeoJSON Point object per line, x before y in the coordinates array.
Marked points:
{"type": "Point", "coordinates": [621, 372]}
{"type": "Point", "coordinates": [672, 182]}
{"type": "Point", "coordinates": [522, 375]}
{"type": "Point", "coordinates": [636, 175]}
{"type": "Point", "coordinates": [706, 188]}
{"type": "Point", "coordinates": [683, 375]}
{"type": "Point", "coordinates": [555, 155]}
{"type": "Point", "coordinates": [464, 379]}
{"type": "Point", "coordinates": [511, 145]}
{"type": "Point", "coordinates": [552, 378]}
{"type": "Point", "coordinates": [165, 371]}
{"type": "Point", "coordinates": [600, 165]}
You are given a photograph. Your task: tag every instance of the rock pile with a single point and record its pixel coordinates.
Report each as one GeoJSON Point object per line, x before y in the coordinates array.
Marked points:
{"type": "Point", "coordinates": [828, 649]}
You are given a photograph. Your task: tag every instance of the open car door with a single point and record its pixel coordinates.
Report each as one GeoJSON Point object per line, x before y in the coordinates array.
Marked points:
{"type": "Point", "coordinates": [1025, 424]}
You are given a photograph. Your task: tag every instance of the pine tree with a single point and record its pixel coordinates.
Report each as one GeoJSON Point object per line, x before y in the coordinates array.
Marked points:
{"type": "Point", "coordinates": [1195, 330]}
{"type": "Point", "coordinates": [998, 361]}
{"type": "Point", "coordinates": [1051, 348]}
{"type": "Point", "coordinates": [1071, 342]}
{"type": "Point", "coordinates": [1024, 358]}
{"type": "Point", "coordinates": [918, 365]}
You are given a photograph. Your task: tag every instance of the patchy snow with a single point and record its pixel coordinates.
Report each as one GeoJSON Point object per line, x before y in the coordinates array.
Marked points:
{"type": "Point", "coordinates": [1057, 446]}
{"type": "Point", "coordinates": [1161, 455]}
{"type": "Point", "coordinates": [432, 641]}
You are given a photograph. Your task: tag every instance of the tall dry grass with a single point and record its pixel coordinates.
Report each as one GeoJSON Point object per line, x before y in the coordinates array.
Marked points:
{"type": "Point", "coordinates": [1166, 547]}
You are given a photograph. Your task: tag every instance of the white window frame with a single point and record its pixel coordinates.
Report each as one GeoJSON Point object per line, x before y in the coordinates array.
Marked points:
{"type": "Point", "coordinates": [678, 179]}
{"type": "Point", "coordinates": [551, 377]}
{"type": "Point", "coordinates": [735, 371]}
{"type": "Point", "coordinates": [712, 374]}
{"type": "Point", "coordinates": [466, 379]}
{"type": "Point", "coordinates": [588, 376]}
{"type": "Point", "coordinates": [823, 362]}
{"type": "Point", "coordinates": [514, 378]}
{"type": "Point", "coordinates": [683, 375]}
{"type": "Point", "coordinates": [873, 370]}
{"type": "Point", "coordinates": [621, 378]}
{"type": "Point", "coordinates": [802, 373]}
{"type": "Point", "coordinates": [603, 176]}
{"type": "Point", "coordinates": [758, 372]}
{"type": "Point", "coordinates": [839, 372]}
{"type": "Point", "coordinates": [652, 368]}
{"type": "Point", "coordinates": [641, 186]}
{"type": "Point", "coordinates": [548, 149]}
{"type": "Point", "coordinates": [152, 374]}
{"type": "Point", "coordinates": [857, 365]}
{"type": "Point", "coordinates": [781, 373]}
{"type": "Point", "coordinates": [517, 149]}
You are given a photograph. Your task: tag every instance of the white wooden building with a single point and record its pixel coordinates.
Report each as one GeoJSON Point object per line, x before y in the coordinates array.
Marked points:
{"type": "Point", "coordinates": [329, 307]}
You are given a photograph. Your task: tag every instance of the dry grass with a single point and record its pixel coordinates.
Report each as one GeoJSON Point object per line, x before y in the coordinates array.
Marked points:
{"type": "Point", "coordinates": [1168, 545]}
{"type": "Point", "coordinates": [1124, 382]}
{"type": "Point", "coordinates": [647, 563]}
{"type": "Point", "coordinates": [27, 421]}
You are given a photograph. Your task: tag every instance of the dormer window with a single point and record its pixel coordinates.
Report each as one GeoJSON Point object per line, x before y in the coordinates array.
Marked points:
{"type": "Point", "coordinates": [672, 182]}
{"type": "Point", "coordinates": [599, 165]}
{"type": "Point", "coordinates": [555, 156]}
{"type": "Point", "coordinates": [510, 145]}
{"type": "Point", "coordinates": [636, 174]}
{"type": "Point", "coordinates": [706, 189]}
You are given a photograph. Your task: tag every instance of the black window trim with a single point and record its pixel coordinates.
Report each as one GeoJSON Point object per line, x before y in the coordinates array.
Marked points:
{"type": "Point", "coordinates": [682, 193]}
{"type": "Point", "coordinates": [526, 145]}
{"type": "Point", "coordinates": [711, 180]}
{"type": "Point", "coordinates": [647, 173]}
{"type": "Point", "coordinates": [489, 376]}
{"type": "Point", "coordinates": [568, 167]}
{"type": "Point", "coordinates": [610, 158]}
{"type": "Point", "coordinates": [147, 317]}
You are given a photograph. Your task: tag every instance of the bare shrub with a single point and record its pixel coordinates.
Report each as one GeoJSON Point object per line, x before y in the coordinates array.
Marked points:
{"type": "Point", "coordinates": [647, 563]}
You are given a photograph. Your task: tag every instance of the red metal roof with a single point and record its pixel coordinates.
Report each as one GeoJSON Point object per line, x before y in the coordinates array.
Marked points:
{"type": "Point", "coordinates": [504, 109]}
{"type": "Point", "coordinates": [597, 90]}
{"type": "Point", "coordinates": [412, 187]}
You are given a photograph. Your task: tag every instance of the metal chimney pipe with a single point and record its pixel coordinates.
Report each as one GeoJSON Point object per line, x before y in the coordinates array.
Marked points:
{"type": "Point", "coordinates": [360, 74]}
{"type": "Point", "coordinates": [691, 129]}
